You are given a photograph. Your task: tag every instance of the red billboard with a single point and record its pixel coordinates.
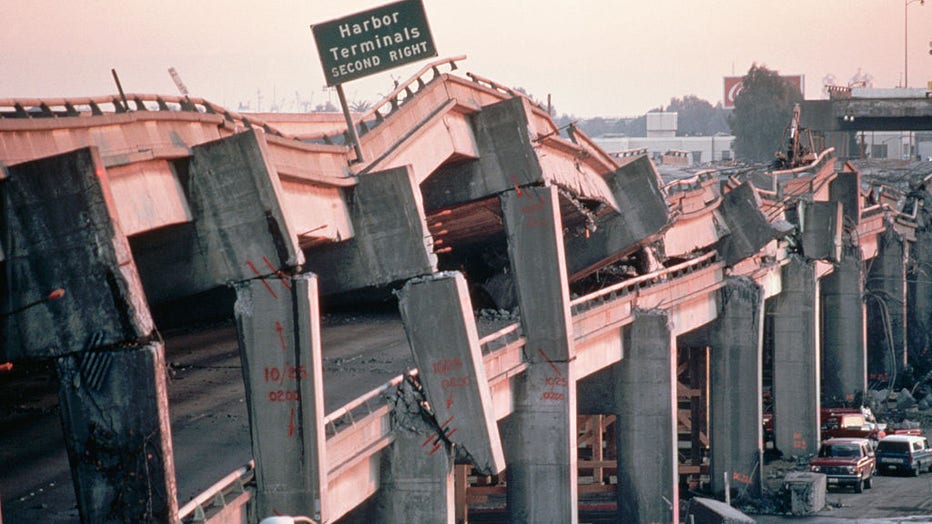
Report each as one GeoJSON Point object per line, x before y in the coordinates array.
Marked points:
{"type": "Point", "coordinates": [733, 86]}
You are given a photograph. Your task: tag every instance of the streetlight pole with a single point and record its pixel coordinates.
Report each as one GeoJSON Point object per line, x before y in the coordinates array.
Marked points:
{"type": "Point", "coordinates": [906, 40]}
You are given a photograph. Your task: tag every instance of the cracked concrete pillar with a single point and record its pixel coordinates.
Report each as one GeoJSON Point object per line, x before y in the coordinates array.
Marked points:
{"type": "Point", "coordinates": [71, 291]}
{"type": "Point", "coordinates": [115, 415]}
{"type": "Point", "coordinates": [279, 337]}
{"type": "Point", "coordinates": [540, 436]}
{"type": "Point", "coordinates": [417, 469]}
{"type": "Point", "coordinates": [796, 359]}
{"type": "Point", "coordinates": [441, 330]}
{"type": "Point", "coordinates": [645, 403]}
{"type": "Point", "coordinates": [844, 353]}
{"type": "Point", "coordinates": [919, 287]}
{"type": "Point", "coordinates": [886, 308]}
{"type": "Point", "coordinates": [736, 434]}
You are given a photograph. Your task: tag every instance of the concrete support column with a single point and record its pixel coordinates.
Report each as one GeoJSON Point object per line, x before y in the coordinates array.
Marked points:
{"type": "Point", "coordinates": [540, 438]}
{"type": "Point", "coordinates": [439, 323]}
{"type": "Point", "coordinates": [844, 354]}
{"type": "Point", "coordinates": [886, 308]}
{"type": "Point", "coordinates": [279, 337]}
{"type": "Point", "coordinates": [796, 359]}
{"type": "Point", "coordinates": [417, 469]}
{"type": "Point", "coordinates": [919, 287]}
{"type": "Point", "coordinates": [736, 438]}
{"type": "Point", "coordinates": [115, 415]}
{"type": "Point", "coordinates": [645, 398]}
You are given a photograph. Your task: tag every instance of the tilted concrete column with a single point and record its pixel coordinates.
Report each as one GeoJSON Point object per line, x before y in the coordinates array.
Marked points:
{"type": "Point", "coordinates": [279, 337]}
{"type": "Point", "coordinates": [919, 286]}
{"type": "Point", "coordinates": [844, 354]}
{"type": "Point", "coordinates": [71, 291]}
{"type": "Point", "coordinates": [441, 329]}
{"type": "Point", "coordinates": [886, 308]}
{"type": "Point", "coordinates": [417, 469]}
{"type": "Point", "coordinates": [540, 438]}
{"type": "Point", "coordinates": [115, 415]}
{"type": "Point", "coordinates": [796, 359]}
{"type": "Point", "coordinates": [391, 241]}
{"type": "Point", "coordinates": [240, 229]}
{"type": "Point", "coordinates": [645, 398]}
{"type": "Point", "coordinates": [736, 434]}
{"type": "Point", "coordinates": [643, 212]}
{"type": "Point", "coordinates": [439, 324]}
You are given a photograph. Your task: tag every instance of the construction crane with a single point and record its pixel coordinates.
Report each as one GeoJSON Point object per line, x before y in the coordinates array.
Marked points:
{"type": "Point", "coordinates": [799, 151]}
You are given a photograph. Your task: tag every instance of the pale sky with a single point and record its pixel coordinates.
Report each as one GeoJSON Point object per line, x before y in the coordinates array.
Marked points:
{"type": "Point", "coordinates": [594, 57]}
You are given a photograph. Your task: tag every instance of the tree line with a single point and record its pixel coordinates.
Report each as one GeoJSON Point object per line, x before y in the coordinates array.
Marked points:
{"type": "Point", "coordinates": [763, 109]}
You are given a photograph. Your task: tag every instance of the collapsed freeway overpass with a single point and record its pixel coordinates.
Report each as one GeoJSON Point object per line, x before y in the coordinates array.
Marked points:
{"type": "Point", "coordinates": [469, 196]}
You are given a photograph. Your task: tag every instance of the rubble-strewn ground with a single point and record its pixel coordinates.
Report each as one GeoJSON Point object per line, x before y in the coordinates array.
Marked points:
{"type": "Point", "coordinates": [896, 173]}
{"type": "Point", "coordinates": [897, 410]}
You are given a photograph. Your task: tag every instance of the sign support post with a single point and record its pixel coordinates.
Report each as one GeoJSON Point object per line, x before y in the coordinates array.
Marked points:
{"type": "Point", "coordinates": [350, 126]}
{"type": "Point", "coordinates": [368, 42]}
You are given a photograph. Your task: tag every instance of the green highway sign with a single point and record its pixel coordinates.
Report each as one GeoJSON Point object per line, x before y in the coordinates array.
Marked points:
{"type": "Point", "coordinates": [375, 40]}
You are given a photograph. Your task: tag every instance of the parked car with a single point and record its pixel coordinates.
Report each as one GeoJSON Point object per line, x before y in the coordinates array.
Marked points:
{"type": "Point", "coordinates": [846, 462]}
{"type": "Point", "coordinates": [904, 453]}
{"type": "Point", "coordinates": [850, 423]}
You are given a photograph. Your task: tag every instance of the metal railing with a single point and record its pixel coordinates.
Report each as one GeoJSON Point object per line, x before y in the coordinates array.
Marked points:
{"type": "Point", "coordinates": [628, 153]}
{"type": "Point", "coordinates": [825, 156]}
{"type": "Point", "coordinates": [85, 107]}
{"type": "Point", "coordinates": [627, 287]}
{"type": "Point", "coordinates": [499, 339]}
{"type": "Point", "coordinates": [391, 102]}
{"type": "Point", "coordinates": [334, 422]}
{"type": "Point", "coordinates": [215, 495]}
{"type": "Point", "coordinates": [688, 184]}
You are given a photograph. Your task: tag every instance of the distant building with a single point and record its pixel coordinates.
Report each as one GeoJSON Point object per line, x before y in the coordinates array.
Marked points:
{"type": "Point", "coordinates": [661, 125]}
{"type": "Point", "coordinates": [701, 149]}
{"type": "Point", "coordinates": [661, 138]}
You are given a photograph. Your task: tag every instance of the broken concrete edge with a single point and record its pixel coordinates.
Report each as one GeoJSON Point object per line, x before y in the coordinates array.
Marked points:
{"type": "Point", "coordinates": [104, 302]}
{"type": "Point", "coordinates": [487, 461]}
{"type": "Point", "coordinates": [705, 510]}
{"type": "Point", "coordinates": [112, 461]}
{"type": "Point", "coordinates": [411, 412]}
{"type": "Point", "coordinates": [746, 228]}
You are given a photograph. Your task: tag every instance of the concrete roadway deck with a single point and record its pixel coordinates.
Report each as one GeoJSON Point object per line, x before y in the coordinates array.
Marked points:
{"type": "Point", "coordinates": [210, 427]}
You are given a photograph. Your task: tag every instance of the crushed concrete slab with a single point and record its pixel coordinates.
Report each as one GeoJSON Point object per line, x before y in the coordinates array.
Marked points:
{"type": "Point", "coordinates": [711, 511]}
{"type": "Point", "coordinates": [805, 492]}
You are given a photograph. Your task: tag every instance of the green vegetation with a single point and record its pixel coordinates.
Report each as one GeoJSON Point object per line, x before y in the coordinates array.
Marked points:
{"type": "Point", "coordinates": [762, 111]}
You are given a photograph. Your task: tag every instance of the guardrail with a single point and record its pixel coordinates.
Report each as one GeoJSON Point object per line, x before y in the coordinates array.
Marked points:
{"type": "Point", "coordinates": [85, 107]}
{"type": "Point", "coordinates": [824, 156]}
{"type": "Point", "coordinates": [332, 422]}
{"type": "Point", "coordinates": [392, 101]}
{"type": "Point", "coordinates": [499, 339]}
{"type": "Point", "coordinates": [693, 182]}
{"type": "Point", "coordinates": [625, 288]}
{"type": "Point", "coordinates": [215, 496]}
{"type": "Point", "coordinates": [628, 153]}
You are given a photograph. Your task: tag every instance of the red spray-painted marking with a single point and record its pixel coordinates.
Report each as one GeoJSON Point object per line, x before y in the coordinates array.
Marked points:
{"type": "Point", "coordinates": [447, 421]}
{"type": "Point", "coordinates": [256, 271]}
{"type": "Point", "coordinates": [281, 336]}
{"type": "Point", "coordinates": [517, 185]}
{"type": "Point", "coordinates": [291, 424]}
{"type": "Point", "coordinates": [281, 275]}
{"type": "Point", "coordinates": [555, 368]}
{"type": "Point", "coordinates": [450, 399]}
